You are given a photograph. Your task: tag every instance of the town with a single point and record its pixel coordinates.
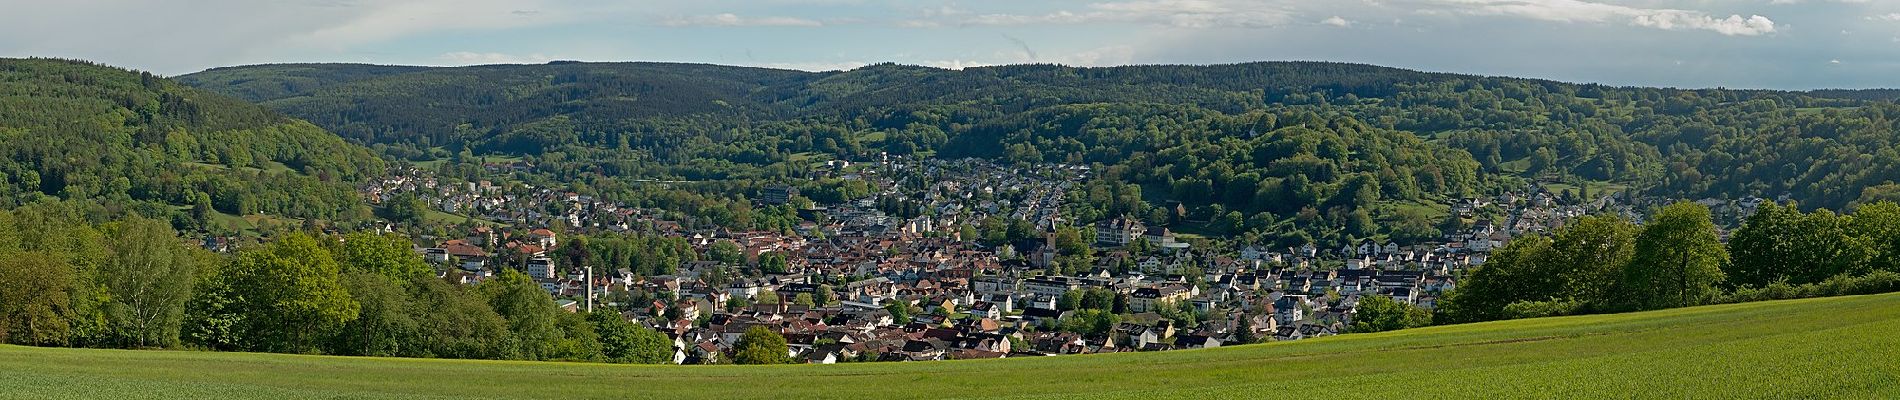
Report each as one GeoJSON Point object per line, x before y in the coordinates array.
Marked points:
{"type": "Point", "coordinates": [856, 282]}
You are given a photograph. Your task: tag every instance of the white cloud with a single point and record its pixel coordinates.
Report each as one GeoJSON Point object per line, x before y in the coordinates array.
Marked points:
{"type": "Point", "coordinates": [1886, 17]}
{"type": "Point", "coordinates": [477, 58]}
{"type": "Point", "coordinates": [1734, 25]}
{"type": "Point", "coordinates": [1336, 21]}
{"type": "Point", "coordinates": [1779, 2]}
{"type": "Point", "coordinates": [1585, 11]}
{"type": "Point", "coordinates": [730, 19]}
{"type": "Point", "coordinates": [1168, 13]}
{"type": "Point", "coordinates": [956, 64]}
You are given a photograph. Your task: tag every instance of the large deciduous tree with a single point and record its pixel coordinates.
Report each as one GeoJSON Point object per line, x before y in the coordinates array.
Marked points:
{"type": "Point", "coordinates": [288, 294]}
{"type": "Point", "coordinates": [529, 311]}
{"type": "Point", "coordinates": [1677, 262]}
{"type": "Point", "coordinates": [759, 345]}
{"type": "Point", "coordinates": [149, 278]}
{"type": "Point", "coordinates": [1377, 313]}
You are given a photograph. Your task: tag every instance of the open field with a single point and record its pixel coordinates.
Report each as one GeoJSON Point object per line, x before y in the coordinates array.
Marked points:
{"type": "Point", "coordinates": [1844, 347]}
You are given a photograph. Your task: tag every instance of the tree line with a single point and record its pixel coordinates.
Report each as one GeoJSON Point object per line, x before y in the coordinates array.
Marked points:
{"type": "Point", "coordinates": [1677, 259]}
{"type": "Point", "coordinates": [133, 283]}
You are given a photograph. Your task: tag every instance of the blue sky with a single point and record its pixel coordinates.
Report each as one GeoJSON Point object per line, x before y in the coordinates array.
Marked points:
{"type": "Point", "coordinates": [1783, 44]}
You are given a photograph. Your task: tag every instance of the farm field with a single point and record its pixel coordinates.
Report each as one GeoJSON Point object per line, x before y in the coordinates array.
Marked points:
{"type": "Point", "coordinates": [1843, 347]}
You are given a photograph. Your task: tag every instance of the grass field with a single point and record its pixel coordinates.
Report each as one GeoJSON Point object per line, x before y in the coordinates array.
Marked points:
{"type": "Point", "coordinates": [1845, 347]}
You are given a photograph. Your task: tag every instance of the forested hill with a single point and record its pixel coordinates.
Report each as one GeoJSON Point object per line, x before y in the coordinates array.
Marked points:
{"type": "Point", "coordinates": [1209, 134]}
{"type": "Point", "coordinates": [132, 140]}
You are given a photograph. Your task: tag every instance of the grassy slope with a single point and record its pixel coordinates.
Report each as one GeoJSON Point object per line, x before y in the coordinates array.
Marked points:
{"type": "Point", "coordinates": [1836, 347]}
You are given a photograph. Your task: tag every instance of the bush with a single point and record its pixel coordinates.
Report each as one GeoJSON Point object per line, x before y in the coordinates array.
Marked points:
{"type": "Point", "coordinates": [1537, 309]}
{"type": "Point", "coordinates": [1839, 285]}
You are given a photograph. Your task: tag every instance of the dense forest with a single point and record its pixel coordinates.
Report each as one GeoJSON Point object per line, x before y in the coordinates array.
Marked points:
{"type": "Point", "coordinates": [1286, 149]}
{"type": "Point", "coordinates": [81, 131]}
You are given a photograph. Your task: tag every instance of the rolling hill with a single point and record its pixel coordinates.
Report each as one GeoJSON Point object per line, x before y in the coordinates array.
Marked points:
{"type": "Point", "coordinates": [1819, 147]}
{"type": "Point", "coordinates": [1842, 347]}
{"type": "Point", "coordinates": [1279, 153]}
{"type": "Point", "coordinates": [83, 131]}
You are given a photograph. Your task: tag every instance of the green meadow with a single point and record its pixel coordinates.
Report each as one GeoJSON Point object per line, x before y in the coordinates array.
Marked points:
{"type": "Point", "coordinates": [1842, 347]}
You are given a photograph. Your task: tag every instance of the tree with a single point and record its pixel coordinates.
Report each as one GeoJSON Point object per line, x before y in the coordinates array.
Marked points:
{"type": "Point", "coordinates": [288, 294]}
{"type": "Point", "coordinates": [34, 302]}
{"type": "Point", "coordinates": [1069, 242]}
{"type": "Point", "coordinates": [456, 322]}
{"type": "Point", "coordinates": [727, 252]}
{"type": "Point", "coordinates": [1452, 224]}
{"type": "Point", "coordinates": [149, 279]}
{"type": "Point", "coordinates": [772, 263]}
{"type": "Point", "coordinates": [1587, 256]}
{"type": "Point", "coordinates": [623, 342]}
{"type": "Point", "coordinates": [577, 340]}
{"type": "Point", "coordinates": [900, 312]}
{"type": "Point", "coordinates": [1512, 273]}
{"type": "Point", "coordinates": [1244, 331]}
{"type": "Point", "coordinates": [530, 313]}
{"type": "Point", "coordinates": [1677, 261]}
{"type": "Point", "coordinates": [804, 299]}
{"type": "Point", "coordinates": [201, 211]}
{"type": "Point", "coordinates": [759, 345]}
{"type": "Point", "coordinates": [1780, 243]}
{"type": "Point", "coordinates": [1070, 300]}
{"type": "Point", "coordinates": [824, 295]}
{"type": "Point", "coordinates": [1098, 299]}
{"type": "Point", "coordinates": [1376, 313]}
{"type": "Point", "coordinates": [405, 208]}
{"type": "Point", "coordinates": [386, 255]}
{"type": "Point", "coordinates": [1090, 322]}
{"type": "Point", "coordinates": [1878, 224]}
{"type": "Point", "coordinates": [1412, 227]}
{"type": "Point", "coordinates": [384, 324]}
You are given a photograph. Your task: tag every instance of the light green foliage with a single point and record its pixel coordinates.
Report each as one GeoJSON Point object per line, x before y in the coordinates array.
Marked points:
{"type": "Point", "coordinates": [759, 345]}
{"type": "Point", "coordinates": [457, 322]}
{"type": "Point", "coordinates": [1377, 313]}
{"type": "Point", "coordinates": [1782, 243]}
{"type": "Point", "coordinates": [386, 255]}
{"type": "Point", "coordinates": [1090, 322]}
{"type": "Point", "coordinates": [624, 342]}
{"type": "Point", "coordinates": [288, 294]}
{"type": "Point", "coordinates": [726, 252]}
{"type": "Point", "coordinates": [772, 263]}
{"type": "Point", "coordinates": [148, 279]}
{"type": "Point", "coordinates": [1677, 262]}
{"type": "Point", "coordinates": [531, 314]}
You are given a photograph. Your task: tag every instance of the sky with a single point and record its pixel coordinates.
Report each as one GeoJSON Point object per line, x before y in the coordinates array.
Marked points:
{"type": "Point", "coordinates": [1777, 44]}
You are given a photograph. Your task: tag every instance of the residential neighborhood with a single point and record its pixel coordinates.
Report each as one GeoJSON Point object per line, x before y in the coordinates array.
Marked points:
{"type": "Point", "coordinates": [868, 284]}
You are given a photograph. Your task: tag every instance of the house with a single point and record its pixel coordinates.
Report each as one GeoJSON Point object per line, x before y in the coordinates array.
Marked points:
{"type": "Point", "coordinates": [777, 194]}
{"type": "Point", "coordinates": [1118, 231]}
{"type": "Point", "coordinates": [1034, 315]}
{"type": "Point", "coordinates": [1139, 336]}
{"type": "Point", "coordinates": [743, 289]}
{"type": "Point", "coordinates": [542, 237]}
{"type": "Point", "coordinates": [1149, 299]}
{"type": "Point", "coordinates": [1049, 286]}
{"type": "Point", "coordinates": [436, 254]}
{"type": "Point", "coordinates": [984, 309]}
{"type": "Point", "coordinates": [1196, 342]}
{"type": "Point", "coordinates": [540, 268]}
